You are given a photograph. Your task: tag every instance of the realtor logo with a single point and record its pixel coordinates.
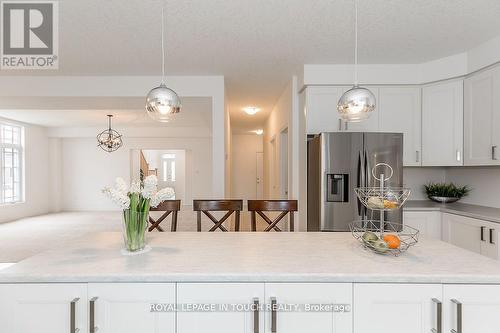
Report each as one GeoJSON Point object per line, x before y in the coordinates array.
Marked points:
{"type": "Point", "coordinates": [29, 35]}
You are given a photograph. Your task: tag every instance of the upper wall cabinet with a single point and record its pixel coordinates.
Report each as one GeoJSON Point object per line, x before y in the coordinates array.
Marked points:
{"type": "Point", "coordinates": [442, 124]}
{"type": "Point", "coordinates": [482, 118]}
{"type": "Point", "coordinates": [321, 109]}
{"type": "Point", "coordinates": [400, 111]}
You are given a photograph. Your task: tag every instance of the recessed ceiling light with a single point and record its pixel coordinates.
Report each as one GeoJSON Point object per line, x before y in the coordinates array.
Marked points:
{"type": "Point", "coordinates": [259, 131]}
{"type": "Point", "coordinates": [251, 110]}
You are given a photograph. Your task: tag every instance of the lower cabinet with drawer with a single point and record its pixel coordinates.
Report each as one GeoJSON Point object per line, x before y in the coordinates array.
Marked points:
{"type": "Point", "coordinates": [472, 234]}
{"type": "Point", "coordinates": [258, 307]}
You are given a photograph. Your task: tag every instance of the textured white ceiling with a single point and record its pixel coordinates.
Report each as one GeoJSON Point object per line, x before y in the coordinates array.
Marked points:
{"type": "Point", "coordinates": [257, 45]}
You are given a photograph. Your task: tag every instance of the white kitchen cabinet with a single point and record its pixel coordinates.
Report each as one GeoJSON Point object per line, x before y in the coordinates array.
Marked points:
{"type": "Point", "coordinates": [442, 124]}
{"type": "Point", "coordinates": [474, 307]}
{"type": "Point", "coordinates": [400, 111]}
{"type": "Point", "coordinates": [472, 234]}
{"type": "Point", "coordinates": [482, 118]}
{"type": "Point", "coordinates": [396, 308]}
{"type": "Point", "coordinates": [309, 320]}
{"type": "Point", "coordinates": [223, 294]}
{"type": "Point", "coordinates": [321, 109]}
{"type": "Point", "coordinates": [126, 307]}
{"type": "Point", "coordinates": [427, 222]}
{"type": "Point", "coordinates": [43, 308]}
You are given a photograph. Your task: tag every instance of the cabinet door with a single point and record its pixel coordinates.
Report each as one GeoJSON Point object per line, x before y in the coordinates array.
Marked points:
{"type": "Point", "coordinates": [126, 307]}
{"type": "Point", "coordinates": [296, 297]}
{"type": "Point", "coordinates": [220, 295]}
{"type": "Point", "coordinates": [479, 306]}
{"type": "Point", "coordinates": [463, 232]}
{"type": "Point", "coordinates": [478, 116]}
{"type": "Point", "coordinates": [428, 223]}
{"type": "Point", "coordinates": [43, 308]}
{"type": "Point", "coordinates": [321, 109]}
{"type": "Point", "coordinates": [442, 124]}
{"type": "Point", "coordinates": [371, 124]}
{"type": "Point", "coordinates": [489, 245]}
{"type": "Point", "coordinates": [396, 308]}
{"type": "Point", "coordinates": [400, 112]}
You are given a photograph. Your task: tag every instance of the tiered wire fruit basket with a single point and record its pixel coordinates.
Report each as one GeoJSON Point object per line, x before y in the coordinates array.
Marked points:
{"type": "Point", "coordinates": [381, 236]}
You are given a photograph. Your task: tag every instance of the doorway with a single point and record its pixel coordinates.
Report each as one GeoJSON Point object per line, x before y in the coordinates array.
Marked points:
{"type": "Point", "coordinates": [259, 158]}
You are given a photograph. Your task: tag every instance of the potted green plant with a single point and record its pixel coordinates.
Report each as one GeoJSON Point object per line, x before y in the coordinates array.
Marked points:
{"type": "Point", "coordinates": [446, 192]}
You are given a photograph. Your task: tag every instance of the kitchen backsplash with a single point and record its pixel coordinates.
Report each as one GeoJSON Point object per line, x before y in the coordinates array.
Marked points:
{"type": "Point", "coordinates": [416, 178]}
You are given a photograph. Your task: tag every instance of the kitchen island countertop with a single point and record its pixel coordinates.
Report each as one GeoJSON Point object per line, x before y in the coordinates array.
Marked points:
{"type": "Point", "coordinates": [251, 257]}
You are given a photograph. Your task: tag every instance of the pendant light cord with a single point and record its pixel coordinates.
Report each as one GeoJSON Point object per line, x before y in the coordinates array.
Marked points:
{"type": "Point", "coordinates": [162, 45]}
{"type": "Point", "coordinates": [355, 42]}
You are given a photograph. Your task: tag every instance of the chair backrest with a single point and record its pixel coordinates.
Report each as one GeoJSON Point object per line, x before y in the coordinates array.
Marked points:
{"type": "Point", "coordinates": [229, 206]}
{"type": "Point", "coordinates": [169, 207]}
{"type": "Point", "coordinates": [261, 206]}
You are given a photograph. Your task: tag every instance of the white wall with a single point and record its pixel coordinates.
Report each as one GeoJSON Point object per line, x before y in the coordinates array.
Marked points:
{"type": "Point", "coordinates": [416, 178]}
{"type": "Point", "coordinates": [36, 177]}
{"type": "Point", "coordinates": [87, 168]}
{"type": "Point", "coordinates": [244, 166]}
{"type": "Point", "coordinates": [484, 181]}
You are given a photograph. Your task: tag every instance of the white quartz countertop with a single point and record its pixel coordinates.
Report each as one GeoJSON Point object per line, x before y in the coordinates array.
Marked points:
{"type": "Point", "coordinates": [475, 211]}
{"type": "Point", "coordinates": [251, 257]}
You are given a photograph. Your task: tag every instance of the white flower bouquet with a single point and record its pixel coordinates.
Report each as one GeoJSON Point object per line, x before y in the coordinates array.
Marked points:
{"type": "Point", "coordinates": [135, 201]}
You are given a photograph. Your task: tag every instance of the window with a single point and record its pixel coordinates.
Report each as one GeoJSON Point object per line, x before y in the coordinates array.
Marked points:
{"type": "Point", "coordinates": [168, 167]}
{"type": "Point", "coordinates": [11, 158]}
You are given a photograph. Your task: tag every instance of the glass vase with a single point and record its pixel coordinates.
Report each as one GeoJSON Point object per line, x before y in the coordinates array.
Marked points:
{"type": "Point", "coordinates": [134, 230]}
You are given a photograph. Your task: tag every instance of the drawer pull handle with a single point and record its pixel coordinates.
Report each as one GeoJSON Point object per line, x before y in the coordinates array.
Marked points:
{"type": "Point", "coordinates": [273, 315]}
{"type": "Point", "coordinates": [92, 327]}
{"type": "Point", "coordinates": [491, 236]}
{"type": "Point", "coordinates": [482, 233]}
{"type": "Point", "coordinates": [494, 153]}
{"type": "Point", "coordinates": [439, 316]}
{"type": "Point", "coordinates": [256, 315]}
{"type": "Point", "coordinates": [72, 316]}
{"type": "Point", "coordinates": [459, 317]}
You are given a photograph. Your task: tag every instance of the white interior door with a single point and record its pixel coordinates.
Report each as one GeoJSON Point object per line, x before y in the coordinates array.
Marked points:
{"type": "Point", "coordinates": [126, 307]}
{"type": "Point", "coordinates": [479, 306]}
{"type": "Point", "coordinates": [292, 316]}
{"type": "Point", "coordinates": [259, 177]}
{"type": "Point", "coordinates": [47, 308]}
{"type": "Point", "coordinates": [220, 320]}
{"type": "Point", "coordinates": [396, 308]}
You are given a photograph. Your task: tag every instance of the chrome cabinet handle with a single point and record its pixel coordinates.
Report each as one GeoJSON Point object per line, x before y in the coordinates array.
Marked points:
{"type": "Point", "coordinates": [273, 315]}
{"type": "Point", "coordinates": [482, 233]}
{"type": "Point", "coordinates": [459, 156]}
{"type": "Point", "coordinates": [494, 153]}
{"type": "Point", "coordinates": [72, 316]}
{"type": "Point", "coordinates": [417, 157]}
{"type": "Point", "coordinates": [340, 124]}
{"type": "Point", "coordinates": [439, 316]}
{"type": "Point", "coordinates": [459, 317]}
{"type": "Point", "coordinates": [92, 327]}
{"type": "Point", "coordinates": [256, 315]}
{"type": "Point", "coordinates": [491, 236]}
{"type": "Point", "coordinates": [346, 126]}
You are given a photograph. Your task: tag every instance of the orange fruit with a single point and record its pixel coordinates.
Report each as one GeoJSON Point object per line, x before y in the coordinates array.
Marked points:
{"type": "Point", "coordinates": [393, 241]}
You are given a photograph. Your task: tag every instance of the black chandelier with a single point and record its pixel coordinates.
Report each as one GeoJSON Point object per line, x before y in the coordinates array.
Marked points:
{"type": "Point", "coordinates": [109, 140]}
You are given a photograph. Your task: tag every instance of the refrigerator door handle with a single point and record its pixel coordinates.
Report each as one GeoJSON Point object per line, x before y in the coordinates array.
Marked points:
{"type": "Point", "coordinates": [360, 181]}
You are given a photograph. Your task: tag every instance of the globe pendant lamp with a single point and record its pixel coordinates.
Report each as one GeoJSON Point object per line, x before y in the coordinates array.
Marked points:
{"type": "Point", "coordinates": [357, 103]}
{"type": "Point", "coordinates": [162, 102]}
{"type": "Point", "coordinates": [109, 140]}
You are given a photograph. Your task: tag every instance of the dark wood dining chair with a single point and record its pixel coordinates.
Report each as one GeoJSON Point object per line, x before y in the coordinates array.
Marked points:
{"type": "Point", "coordinates": [260, 206]}
{"type": "Point", "coordinates": [168, 207]}
{"type": "Point", "coordinates": [208, 206]}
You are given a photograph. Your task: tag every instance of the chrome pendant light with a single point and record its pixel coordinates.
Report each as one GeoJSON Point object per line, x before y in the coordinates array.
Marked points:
{"type": "Point", "coordinates": [162, 102]}
{"type": "Point", "coordinates": [109, 140]}
{"type": "Point", "coordinates": [357, 103]}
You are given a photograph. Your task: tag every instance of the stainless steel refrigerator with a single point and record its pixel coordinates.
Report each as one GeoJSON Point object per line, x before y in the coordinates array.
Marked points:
{"type": "Point", "coordinates": [340, 162]}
